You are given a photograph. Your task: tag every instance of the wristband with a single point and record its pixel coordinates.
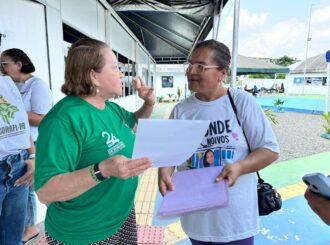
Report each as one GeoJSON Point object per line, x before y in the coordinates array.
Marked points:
{"type": "Point", "coordinates": [96, 174]}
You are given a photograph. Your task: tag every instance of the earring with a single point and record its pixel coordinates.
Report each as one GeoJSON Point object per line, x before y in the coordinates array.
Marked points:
{"type": "Point", "coordinates": [97, 90]}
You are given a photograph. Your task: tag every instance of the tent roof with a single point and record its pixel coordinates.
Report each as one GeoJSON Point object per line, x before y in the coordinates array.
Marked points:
{"type": "Point", "coordinates": [248, 65]}
{"type": "Point", "coordinates": [168, 29]}
{"type": "Point", "coordinates": [315, 64]}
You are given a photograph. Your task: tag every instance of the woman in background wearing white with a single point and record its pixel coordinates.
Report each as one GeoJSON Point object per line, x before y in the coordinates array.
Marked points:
{"type": "Point", "coordinates": [37, 99]}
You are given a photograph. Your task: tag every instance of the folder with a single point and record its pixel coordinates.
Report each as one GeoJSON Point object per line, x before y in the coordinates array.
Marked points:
{"type": "Point", "coordinates": [194, 190]}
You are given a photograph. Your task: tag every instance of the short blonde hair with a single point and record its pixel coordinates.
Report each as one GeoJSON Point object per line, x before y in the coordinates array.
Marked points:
{"type": "Point", "coordinates": [83, 56]}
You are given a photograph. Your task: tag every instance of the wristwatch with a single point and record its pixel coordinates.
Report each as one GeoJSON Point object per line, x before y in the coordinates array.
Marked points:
{"type": "Point", "coordinates": [98, 173]}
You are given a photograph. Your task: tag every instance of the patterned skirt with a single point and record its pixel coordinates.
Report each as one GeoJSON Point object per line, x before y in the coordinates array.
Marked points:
{"type": "Point", "coordinates": [126, 235]}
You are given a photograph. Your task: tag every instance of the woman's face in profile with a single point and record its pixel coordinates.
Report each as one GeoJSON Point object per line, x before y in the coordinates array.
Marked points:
{"type": "Point", "coordinates": [110, 78]}
{"type": "Point", "coordinates": [210, 157]}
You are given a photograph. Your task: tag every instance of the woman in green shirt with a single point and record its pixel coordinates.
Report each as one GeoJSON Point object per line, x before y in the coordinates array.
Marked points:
{"type": "Point", "coordinates": [84, 170]}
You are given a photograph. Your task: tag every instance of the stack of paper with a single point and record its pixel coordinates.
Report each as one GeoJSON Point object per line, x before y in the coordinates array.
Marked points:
{"type": "Point", "coordinates": [168, 142]}
{"type": "Point", "coordinates": [195, 190]}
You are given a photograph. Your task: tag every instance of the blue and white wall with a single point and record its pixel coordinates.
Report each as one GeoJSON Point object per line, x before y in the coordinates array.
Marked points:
{"type": "Point", "coordinates": [314, 87]}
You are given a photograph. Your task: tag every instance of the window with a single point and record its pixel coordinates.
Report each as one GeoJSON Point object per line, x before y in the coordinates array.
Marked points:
{"type": "Point", "coordinates": [167, 81]}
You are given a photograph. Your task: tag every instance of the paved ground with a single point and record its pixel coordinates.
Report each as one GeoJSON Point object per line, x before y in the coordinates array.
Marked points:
{"type": "Point", "coordinates": [295, 223]}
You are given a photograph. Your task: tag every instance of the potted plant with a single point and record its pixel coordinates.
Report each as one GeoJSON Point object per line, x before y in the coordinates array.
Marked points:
{"type": "Point", "coordinates": [326, 117]}
{"type": "Point", "coordinates": [160, 99]}
{"type": "Point", "coordinates": [178, 93]}
{"type": "Point", "coordinates": [170, 97]}
{"type": "Point", "coordinates": [278, 104]}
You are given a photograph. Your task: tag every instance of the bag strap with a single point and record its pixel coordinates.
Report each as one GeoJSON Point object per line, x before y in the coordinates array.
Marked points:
{"type": "Point", "coordinates": [260, 180]}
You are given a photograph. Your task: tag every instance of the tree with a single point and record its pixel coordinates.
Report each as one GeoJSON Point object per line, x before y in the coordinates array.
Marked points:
{"type": "Point", "coordinates": [285, 61]}
{"type": "Point", "coordinates": [262, 76]}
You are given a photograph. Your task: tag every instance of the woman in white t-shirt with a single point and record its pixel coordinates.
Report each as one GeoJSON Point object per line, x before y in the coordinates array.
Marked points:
{"type": "Point", "coordinates": [16, 162]}
{"type": "Point", "coordinates": [237, 223]}
{"type": "Point", "coordinates": [37, 99]}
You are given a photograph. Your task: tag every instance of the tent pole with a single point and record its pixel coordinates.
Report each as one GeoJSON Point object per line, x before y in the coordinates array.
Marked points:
{"type": "Point", "coordinates": [235, 44]}
{"type": "Point", "coordinates": [216, 19]}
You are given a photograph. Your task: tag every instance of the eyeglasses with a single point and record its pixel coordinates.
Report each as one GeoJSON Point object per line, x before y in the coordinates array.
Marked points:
{"type": "Point", "coordinates": [199, 68]}
{"type": "Point", "coordinates": [3, 63]}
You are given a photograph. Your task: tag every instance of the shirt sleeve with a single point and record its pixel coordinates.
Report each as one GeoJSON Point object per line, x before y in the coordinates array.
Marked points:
{"type": "Point", "coordinates": [41, 97]}
{"type": "Point", "coordinates": [127, 116]}
{"type": "Point", "coordinates": [61, 156]}
{"type": "Point", "coordinates": [255, 124]}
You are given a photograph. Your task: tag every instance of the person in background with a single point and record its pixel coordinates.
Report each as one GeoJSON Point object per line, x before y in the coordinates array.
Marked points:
{"type": "Point", "coordinates": [255, 90]}
{"type": "Point", "coordinates": [237, 223]}
{"type": "Point", "coordinates": [37, 99]}
{"type": "Point", "coordinates": [16, 162]}
{"type": "Point", "coordinates": [84, 170]}
{"type": "Point", "coordinates": [319, 204]}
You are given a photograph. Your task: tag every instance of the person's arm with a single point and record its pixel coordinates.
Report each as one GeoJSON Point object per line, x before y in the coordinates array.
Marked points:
{"type": "Point", "coordinates": [165, 179]}
{"type": "Point", "coordinates": [260, 139]}
{"type": "Point", "coordinates": [66, 186]}
{"type": "Point", "coordinates": [319, 205]}
{"type": "Point", "coordinates": [41, 101]}
{"type": "Point", "coordinates": [28, 176]}
{"type": "Point", "coordinates": [255, 161]}
{"type": "Point", "coordinates": [34, 118]}
{"type": "Point", "coordinates": [147, 94]}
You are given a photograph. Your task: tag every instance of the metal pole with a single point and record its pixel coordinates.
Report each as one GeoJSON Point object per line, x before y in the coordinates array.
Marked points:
{"type": "Point", "coordinates": [327, 56]}
{"type": "Point", "coordinates": [327, 94]}
{"type": "Point", "coordinates": [216, 19]}
{"type": "Point", "coordinates": [235, 44]}
{"type": "Point", "coordinates": [307, 42]}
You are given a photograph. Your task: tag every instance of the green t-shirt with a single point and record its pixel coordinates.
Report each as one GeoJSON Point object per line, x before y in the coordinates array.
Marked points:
{"type": "Point", "coordinates": [74, 135]}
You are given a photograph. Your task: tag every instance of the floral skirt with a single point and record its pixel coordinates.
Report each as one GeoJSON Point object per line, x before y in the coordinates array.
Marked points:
{"type": "Point", "coordinates": [126, 235]}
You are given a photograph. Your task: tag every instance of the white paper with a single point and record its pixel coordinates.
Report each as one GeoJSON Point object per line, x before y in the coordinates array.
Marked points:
{"type": "Point", "coordinates": [168, 142]}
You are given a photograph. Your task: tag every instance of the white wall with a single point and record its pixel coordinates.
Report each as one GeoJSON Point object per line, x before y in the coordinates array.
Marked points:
{"type": "Point", "coordinates": [119, 39]}
{"type": "Point", "coordinates": [86, 16]}
{"type": "Point", "coordinates": [56, 52]}
{"type": "Point", "coordinates": [266, 83]}
{"type": "Point", "coordinates": [179, 80]}
{"type": "Point", "coordinates": [130, 103]}
{"type": "Point", "coordinates": [289, 86]}
{"type": "Point", "coordinates": [308, 88]}
{"type": "Point", "coordinates": [23, 23]}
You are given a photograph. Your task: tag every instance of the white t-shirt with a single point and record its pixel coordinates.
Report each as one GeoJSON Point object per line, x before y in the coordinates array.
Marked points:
{"type": "Point", "coordinates": [226, 141]}
{"type": "Point", "coordinates": [14, 125]}
{"type": "Point", "coordinates": [37, 98]}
